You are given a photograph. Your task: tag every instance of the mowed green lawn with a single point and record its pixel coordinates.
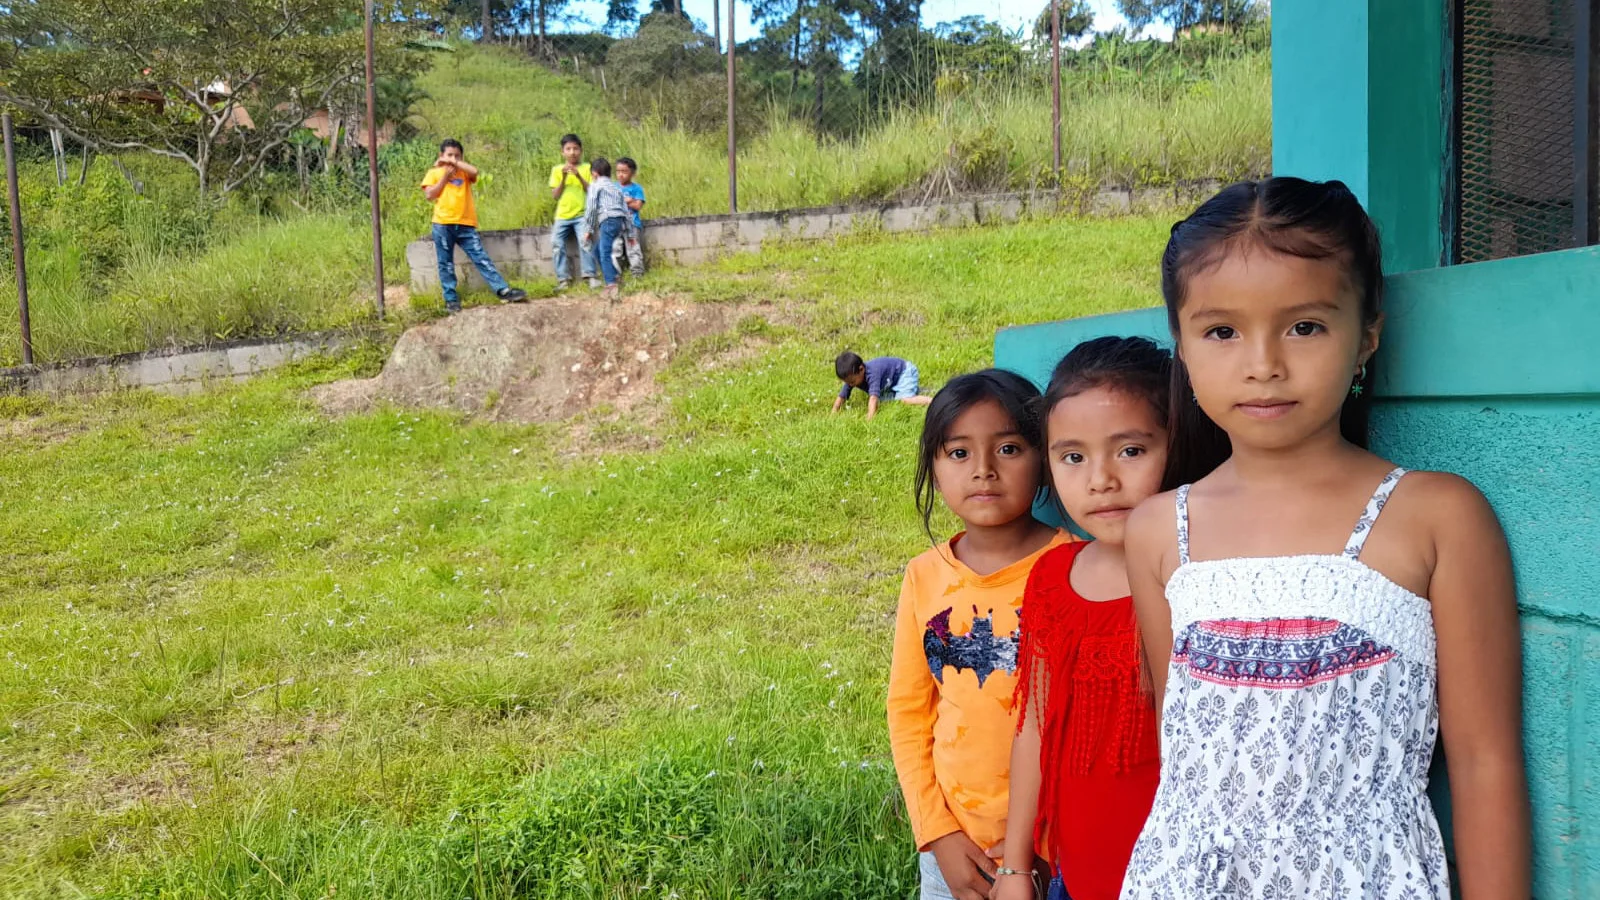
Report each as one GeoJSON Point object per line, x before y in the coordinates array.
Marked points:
{"type": "Point", "coordinates": [250, 651]}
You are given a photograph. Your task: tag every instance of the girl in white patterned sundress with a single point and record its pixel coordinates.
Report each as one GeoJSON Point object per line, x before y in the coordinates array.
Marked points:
{"type": "Point", "coordinates": [1303, 686]}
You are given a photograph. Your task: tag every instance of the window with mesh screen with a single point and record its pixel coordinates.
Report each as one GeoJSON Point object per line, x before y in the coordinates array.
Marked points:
{"type": "Point", "coordinates": [1527, 121]}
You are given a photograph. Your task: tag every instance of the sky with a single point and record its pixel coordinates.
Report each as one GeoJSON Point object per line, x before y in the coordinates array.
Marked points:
{"type": "Point", "coordinates": [1012, 14]}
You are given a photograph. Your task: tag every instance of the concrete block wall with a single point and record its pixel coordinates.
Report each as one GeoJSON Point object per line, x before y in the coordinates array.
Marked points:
{"type": "Point", "coordinates": [525, 252]}
{"type": "Point", "coordinates": [170, 371]}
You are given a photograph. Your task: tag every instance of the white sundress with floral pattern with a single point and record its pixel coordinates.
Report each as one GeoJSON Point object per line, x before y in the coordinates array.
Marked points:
{"type": "Point", "coordinates": [1296, 732]}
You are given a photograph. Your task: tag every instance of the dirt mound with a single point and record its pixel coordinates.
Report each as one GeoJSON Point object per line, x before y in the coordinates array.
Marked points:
{"type": "Point", "coordinates": [538, 361]}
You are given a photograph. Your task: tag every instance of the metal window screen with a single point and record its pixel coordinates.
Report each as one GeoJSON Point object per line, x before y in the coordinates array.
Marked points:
{"type": "Point", "coordinates": [1526, 118]}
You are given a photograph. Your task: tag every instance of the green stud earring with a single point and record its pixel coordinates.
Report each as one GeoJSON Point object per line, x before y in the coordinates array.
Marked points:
{"type": "Point", "coordinates": [1355, 386]}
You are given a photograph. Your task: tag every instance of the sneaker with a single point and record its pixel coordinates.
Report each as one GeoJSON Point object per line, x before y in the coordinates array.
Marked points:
{"type": "Point", "coordinates": [593, 282]}
{"type": "Point", "coordinates": [562, 285]}
{"type": "Point", "coordinates": [451, 309]}
{"type": "Point", "coordinates": [612, 292]}
{"type": "Point", "coordinates": [513, 295]}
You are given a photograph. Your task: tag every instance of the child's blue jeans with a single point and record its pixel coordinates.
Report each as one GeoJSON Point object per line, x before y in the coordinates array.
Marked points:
{"type": "Point", "coordinates": [610, 230]}
{"type": "Point", "coordinates": [446, 238]}
{"type": "Point", "coordinates": [559, 233]}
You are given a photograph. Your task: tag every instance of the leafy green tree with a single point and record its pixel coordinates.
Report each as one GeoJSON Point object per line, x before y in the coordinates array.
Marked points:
{"type": "Point", "coordinates": [221, 87]}
{"type": "Point", "coordinates": [1184, 14]}
{"type": "Point", "coordinates": [669, 68]}
{"type": "Point", "coordinates": [1077, 20]}
{"type": "Point", "coordinates": [620, 15]}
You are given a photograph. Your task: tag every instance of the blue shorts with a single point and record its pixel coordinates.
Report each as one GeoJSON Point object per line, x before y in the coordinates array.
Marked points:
{"type": "Point", "coordinates": [910, 382]}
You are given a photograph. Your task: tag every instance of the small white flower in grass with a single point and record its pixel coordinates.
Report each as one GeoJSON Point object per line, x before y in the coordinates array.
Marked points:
{"type": "Point", "coordinates": [772, 687]}
{"type": "Point", "coordinates": [712, 773]}
{"type": "Point", "coordinates": [731, 739]}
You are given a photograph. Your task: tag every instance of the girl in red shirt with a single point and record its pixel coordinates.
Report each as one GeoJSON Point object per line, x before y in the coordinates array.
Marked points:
{"type": "Point", "coordinates": [1085, 762]}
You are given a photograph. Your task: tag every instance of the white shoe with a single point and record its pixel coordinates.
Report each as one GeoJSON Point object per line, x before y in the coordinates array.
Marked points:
{"type": "Point", "coordinates": [594, 283]}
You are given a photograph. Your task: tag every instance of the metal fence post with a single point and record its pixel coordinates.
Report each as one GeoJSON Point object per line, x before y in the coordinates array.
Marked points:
{"type": "Point", "coordinates": [1055, 87]}
{"type": "Point", "coordinates": [372, 161]}
{"type": "Point", "coordinates": [733, 145]}
{"type": "Point", "coordinates": [18, 255]}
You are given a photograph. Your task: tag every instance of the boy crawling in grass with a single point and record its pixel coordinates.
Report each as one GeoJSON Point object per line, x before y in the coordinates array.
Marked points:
{"type": "Point", "coordinates": [448, 186]}
{"type": "Point", "coordinates": [886, 377]}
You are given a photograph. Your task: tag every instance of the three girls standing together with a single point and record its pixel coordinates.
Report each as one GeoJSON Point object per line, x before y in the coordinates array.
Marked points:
{"type": "Point", "coordinates": [1235, 689]}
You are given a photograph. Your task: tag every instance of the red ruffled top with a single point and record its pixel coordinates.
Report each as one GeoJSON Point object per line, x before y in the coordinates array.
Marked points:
{"type": "Point", "coordinates": [1099, 756]}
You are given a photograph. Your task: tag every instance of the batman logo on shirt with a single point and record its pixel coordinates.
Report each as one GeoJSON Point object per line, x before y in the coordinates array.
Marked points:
{"type": "Point", "coordinates": [978, 649]}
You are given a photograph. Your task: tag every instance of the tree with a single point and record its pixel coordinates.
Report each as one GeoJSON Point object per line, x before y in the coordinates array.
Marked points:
{"type": "Point", "coordinates": [620, 14]}
{"type": "Point", "coordinates": [898, 63]}
{"type": "Point", "coordinates": [220, 87]}
{"type": "Point", "coordinates": [830, 27]}
{"type": "Point", "coordinates": [672, 70]}
{"type": "Point", "coordinates": [980, 45]}
{"type": "Point", "coordinates": [1185, 14]}
{"type": "Point", "coordinates": [817, 33]}
{"type": "Point", "coordinates": [1077, 20]}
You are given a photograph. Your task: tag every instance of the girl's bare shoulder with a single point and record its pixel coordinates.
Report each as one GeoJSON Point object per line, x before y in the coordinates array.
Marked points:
{"type": "Point", "coordinates": [1151, 535]}
{"type": "Point", "coordinates": [1444, 503]}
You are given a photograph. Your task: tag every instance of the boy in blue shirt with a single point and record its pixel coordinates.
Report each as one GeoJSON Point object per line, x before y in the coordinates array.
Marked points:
{"type": "Point", "coordinates": [887, 377]}
{"type": "Point", "coordinates": [632, 240]}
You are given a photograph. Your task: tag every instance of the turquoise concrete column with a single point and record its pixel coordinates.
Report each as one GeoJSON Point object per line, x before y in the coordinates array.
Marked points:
{"type": "Point", "coordinates": [1359, 93]}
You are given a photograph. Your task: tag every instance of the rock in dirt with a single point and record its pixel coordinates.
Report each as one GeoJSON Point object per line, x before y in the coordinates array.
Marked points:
{"type": "Point", "coordinates": [536, 362]}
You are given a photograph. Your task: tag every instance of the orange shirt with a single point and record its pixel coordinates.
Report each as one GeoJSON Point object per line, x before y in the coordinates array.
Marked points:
{"type": "Point", "coordinates": [454, 206]}
{"type": "Point", "coordinates": [951, 690]}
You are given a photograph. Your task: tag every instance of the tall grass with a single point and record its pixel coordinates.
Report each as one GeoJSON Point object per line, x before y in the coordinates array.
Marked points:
{"type": "Point", "coordinates": [275, 277]}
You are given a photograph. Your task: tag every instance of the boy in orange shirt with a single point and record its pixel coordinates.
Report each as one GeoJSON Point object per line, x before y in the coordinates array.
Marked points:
{"type": "Point", "coordinates": [448, 186]}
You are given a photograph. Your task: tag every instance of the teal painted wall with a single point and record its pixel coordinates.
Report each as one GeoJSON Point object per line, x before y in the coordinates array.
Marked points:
{"type": "Point", "coordinates": [1319, 90]}
{"type": "Point", "coordinates": [1360, 93]}
{"type": "Point", "coordinates": [1490, 371]}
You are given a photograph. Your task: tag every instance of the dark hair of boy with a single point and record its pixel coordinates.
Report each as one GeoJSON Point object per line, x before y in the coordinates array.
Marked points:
{"type": "Point", "coordinates": [1015, 394]}
{"type": "Point", "coordinates": [601, 167]}
{"type": "Point", "coordinates": [1307, 219]}
{"type": "Point", "coordinates": [447, 143]}
{"type": "Point", "coordinates": [628, 161]}
{"type": "Point", "coordinates": [848, 364]}
{"type": "Point", "coordinates": [570, 139]}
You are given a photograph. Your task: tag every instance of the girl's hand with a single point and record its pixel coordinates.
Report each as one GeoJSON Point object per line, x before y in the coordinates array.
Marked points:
{"type": "Point", "coordinates": [963, 865]}
{"type": "Point", "coordinates": [1013, 887]}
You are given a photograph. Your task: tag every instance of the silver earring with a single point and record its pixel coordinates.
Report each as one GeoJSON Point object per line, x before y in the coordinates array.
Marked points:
{"type": "Point", "coordinates": [1355, 386]}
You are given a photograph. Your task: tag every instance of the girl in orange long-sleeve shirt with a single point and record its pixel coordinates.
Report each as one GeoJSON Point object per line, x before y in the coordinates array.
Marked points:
{"type": "Point", "coordinates": [950, 706]}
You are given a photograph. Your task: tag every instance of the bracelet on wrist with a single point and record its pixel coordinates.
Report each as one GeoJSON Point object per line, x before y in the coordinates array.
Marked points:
{"type": "Point", "coordinates": [1005, 870]}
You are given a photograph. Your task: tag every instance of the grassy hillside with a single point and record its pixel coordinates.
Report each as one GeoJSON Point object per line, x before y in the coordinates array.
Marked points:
{"type": "Point", "coordinates": [248, 651]}
{"type": "Point", "coordinates": [112, 272]}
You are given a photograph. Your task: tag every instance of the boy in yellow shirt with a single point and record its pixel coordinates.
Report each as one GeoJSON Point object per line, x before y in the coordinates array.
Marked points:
{"type": "Point", "coordinates": [569, 185]}
{"type": "Point", "coordinates": [448, 186]}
